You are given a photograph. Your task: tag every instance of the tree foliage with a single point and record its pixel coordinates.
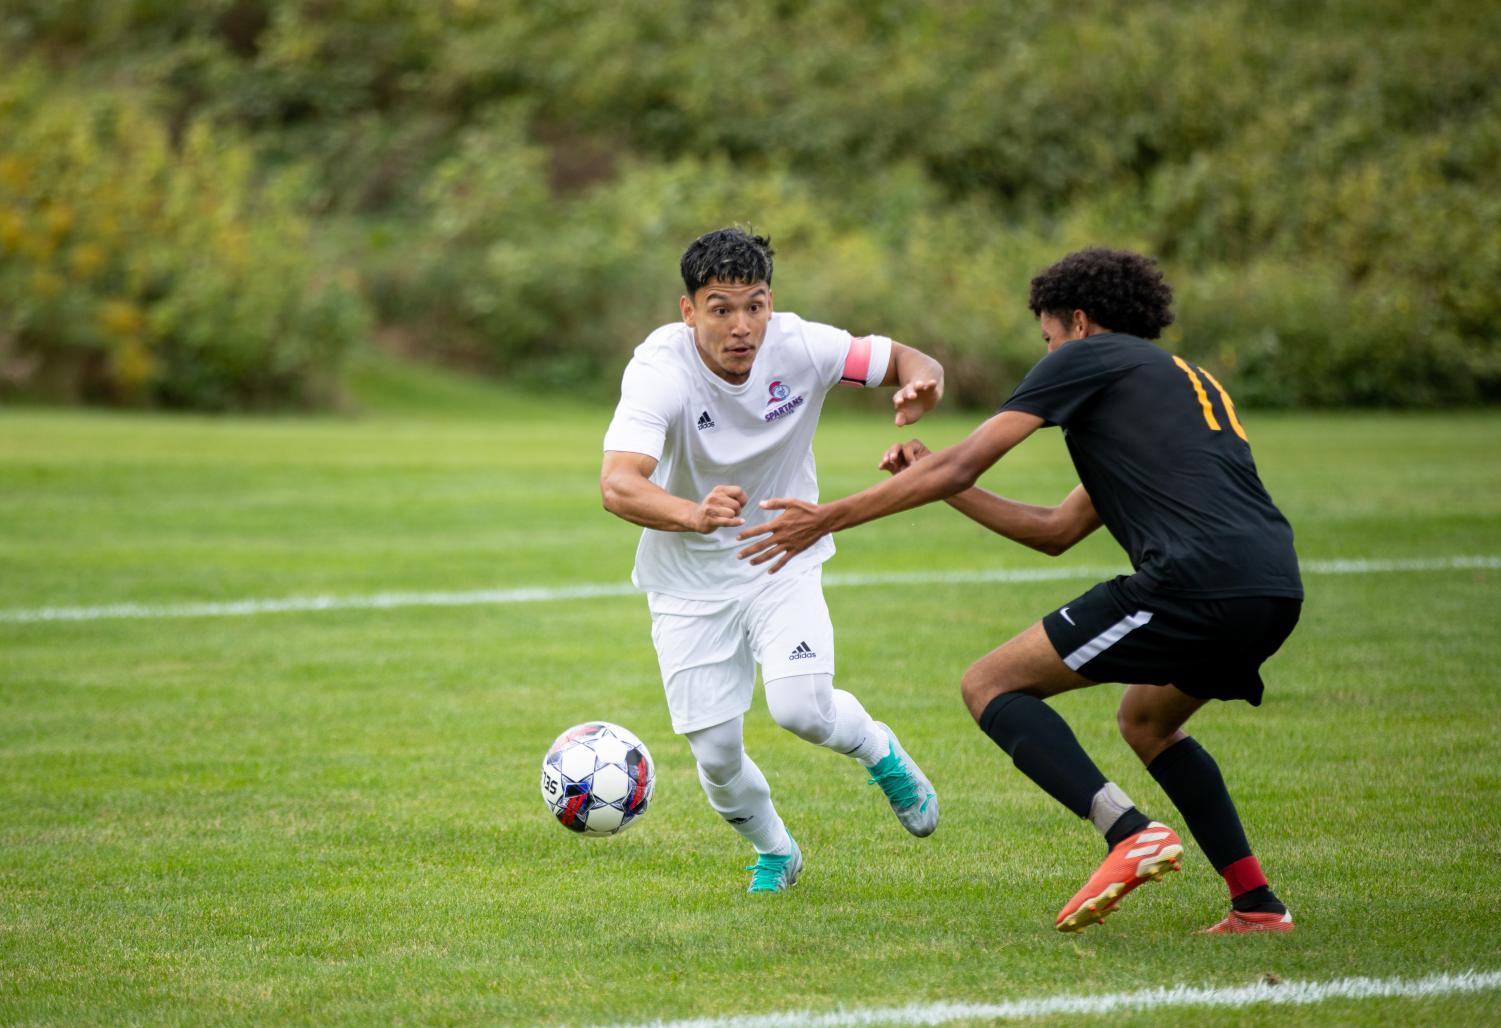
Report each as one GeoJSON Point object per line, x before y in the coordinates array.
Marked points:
{"type": "Point", "coordinates": [137, 269]}
{"type": "Point", "coordinates": [509, 184]}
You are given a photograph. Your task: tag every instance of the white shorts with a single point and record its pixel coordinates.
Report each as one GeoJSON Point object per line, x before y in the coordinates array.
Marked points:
{"type": "Point", "coordinates": [708, 649]}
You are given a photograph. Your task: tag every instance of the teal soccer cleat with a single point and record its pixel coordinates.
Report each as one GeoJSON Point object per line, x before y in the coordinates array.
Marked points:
{"type": "Point", "coordinates": [774, 872]}
{"type": "Point", "coordinates": [912, 797]}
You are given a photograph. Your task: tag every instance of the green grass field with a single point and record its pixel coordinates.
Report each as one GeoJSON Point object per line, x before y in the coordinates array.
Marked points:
{"type": "Point", "coordinates": [333, 817]}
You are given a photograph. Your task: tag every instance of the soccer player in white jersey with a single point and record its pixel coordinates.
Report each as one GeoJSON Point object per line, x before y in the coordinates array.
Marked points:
{"type": "Point", "coordinates": [717, 412]}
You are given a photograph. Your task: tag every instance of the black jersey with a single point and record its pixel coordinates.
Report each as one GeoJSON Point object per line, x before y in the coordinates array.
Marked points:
{"type": "Point", "coordinates": [1165, 461]}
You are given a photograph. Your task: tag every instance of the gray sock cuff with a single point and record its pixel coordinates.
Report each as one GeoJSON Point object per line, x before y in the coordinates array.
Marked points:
{"type": "Point", "coordinates": [1107, 806]}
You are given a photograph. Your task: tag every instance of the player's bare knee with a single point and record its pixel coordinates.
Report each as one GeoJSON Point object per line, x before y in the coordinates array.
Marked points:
{"type": "Point", "coordinates": [1143, 733]}
{"type": "Point", "coordinates": [979, 686]}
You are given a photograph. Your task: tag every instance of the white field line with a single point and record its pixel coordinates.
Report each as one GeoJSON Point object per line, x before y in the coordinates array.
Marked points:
{"type": "Point", "coordinates": [1284, 993]}
{"type": "Point", "coordinates": [541, 594]}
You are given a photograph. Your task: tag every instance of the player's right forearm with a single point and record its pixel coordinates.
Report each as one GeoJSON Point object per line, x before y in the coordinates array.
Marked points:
{"type": "Point", "coordinates": [644, 503]}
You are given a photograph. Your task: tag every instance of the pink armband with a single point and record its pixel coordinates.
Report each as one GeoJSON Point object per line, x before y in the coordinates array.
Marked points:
{"type": "Point", "coordinates": [857, 364]}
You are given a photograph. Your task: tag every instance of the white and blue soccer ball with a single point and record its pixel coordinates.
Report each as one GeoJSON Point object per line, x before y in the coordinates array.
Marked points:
{"type": "Point", "coordinates": [597, 778]}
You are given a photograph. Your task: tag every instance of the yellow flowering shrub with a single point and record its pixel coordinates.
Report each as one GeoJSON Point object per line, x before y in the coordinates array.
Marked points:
{"type": "Point", "coordinates": [138, 268]}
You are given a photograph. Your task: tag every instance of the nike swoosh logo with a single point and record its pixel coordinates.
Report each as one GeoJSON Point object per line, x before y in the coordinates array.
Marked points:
{"type": "Point", "coordinates": [1064, 614]}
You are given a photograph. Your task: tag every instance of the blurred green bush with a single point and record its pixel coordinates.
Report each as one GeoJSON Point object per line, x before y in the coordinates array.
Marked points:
{"type": "Point", "coordinates": [508, 185]}
{"type": "Point", "coordinates": [139, 270]}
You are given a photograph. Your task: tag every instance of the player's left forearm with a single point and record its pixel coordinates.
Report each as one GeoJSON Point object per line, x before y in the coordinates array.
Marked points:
{"type": "Point", "coordinates": [911, 365]}
{"type": "Point", "coordinates": [939, 477]}
{"type": "Point", "coordinates": [936, 477]}
{"type": "Point", "coordinates": [1037, 527]}
{"type": "Point", "coordinates": [1051, 530]}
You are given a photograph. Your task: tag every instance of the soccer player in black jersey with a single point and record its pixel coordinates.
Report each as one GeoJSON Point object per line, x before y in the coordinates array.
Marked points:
{"type": "Point", "coordinates": [1164, 464]}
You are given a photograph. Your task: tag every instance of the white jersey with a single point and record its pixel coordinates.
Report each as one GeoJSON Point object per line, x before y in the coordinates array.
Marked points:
{"type": "Point", "coordinates": [705, 432]}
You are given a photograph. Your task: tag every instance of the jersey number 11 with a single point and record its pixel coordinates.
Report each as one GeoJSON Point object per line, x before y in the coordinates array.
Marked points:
{"type": "Point", "coordinates": [1209, 418]}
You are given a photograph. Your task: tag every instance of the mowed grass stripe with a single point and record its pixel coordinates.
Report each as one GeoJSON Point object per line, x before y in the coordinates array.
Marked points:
{"type": "Point", "coordinates": [1283, 993]}
{"type": "Point", "coordinates": [543, 594]}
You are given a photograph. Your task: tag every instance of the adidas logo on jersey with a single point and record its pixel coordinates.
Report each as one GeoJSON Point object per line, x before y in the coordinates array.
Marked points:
{"type": "Point", "coordinates": [802, 652]}
{"type": "Point", "coordinates": [704, 421]}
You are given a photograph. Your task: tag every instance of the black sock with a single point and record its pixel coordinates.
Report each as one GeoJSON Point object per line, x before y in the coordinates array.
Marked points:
{"type": "Point", "coordinates": [1259, 901]}
{"type": "Point", "coordinates": [1043, 748]}
{"type": "Point", "coordinates": [1192, 780]}
{"type": "Point", "coordinates": [1127, 825]}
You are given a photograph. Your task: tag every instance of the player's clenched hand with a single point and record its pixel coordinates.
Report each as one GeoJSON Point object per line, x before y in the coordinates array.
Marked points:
{"type": "Point", "coordinates": [915, 399]}
{"type": "Point", "coordinates": [785, 536]}
{"type": "Point", "coordinates": [903, 455]}
{"type": "Point", "coordinates": [720, 509]}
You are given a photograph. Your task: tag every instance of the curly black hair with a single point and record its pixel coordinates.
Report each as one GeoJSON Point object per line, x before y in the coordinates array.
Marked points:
{"type": "Point", "coordinates": [1118, 289]}
{"type": "Point", "coordinates": [728, 255]}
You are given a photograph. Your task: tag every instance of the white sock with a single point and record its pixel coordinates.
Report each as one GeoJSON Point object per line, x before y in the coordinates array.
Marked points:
{"type": "Point", "coordinates": [736, 788]}
{"type": "Point", "coordinates": [745, 803]}
{"type": "Point", "coordinates": [856, 732]}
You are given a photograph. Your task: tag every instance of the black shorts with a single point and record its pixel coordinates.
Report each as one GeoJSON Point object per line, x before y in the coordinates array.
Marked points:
{"type": "Point", "coordinates": [1123, 631]}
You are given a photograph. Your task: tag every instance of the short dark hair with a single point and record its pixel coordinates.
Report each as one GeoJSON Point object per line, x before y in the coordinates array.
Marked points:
{"type": "Point", "coordinates": [729, 255]}
{"type": "Point", "coordinates": [1118, 289]}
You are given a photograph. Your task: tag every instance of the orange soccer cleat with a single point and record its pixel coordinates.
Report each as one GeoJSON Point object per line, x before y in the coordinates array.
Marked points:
{"type": "Point", "coordinates": [1241, 924]}
{"type": "Point", "coordinates": [1143, 857]}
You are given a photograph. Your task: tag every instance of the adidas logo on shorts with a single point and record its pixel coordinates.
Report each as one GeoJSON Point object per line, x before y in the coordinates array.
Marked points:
{"type": "Point", "coordinates": [802, 652]}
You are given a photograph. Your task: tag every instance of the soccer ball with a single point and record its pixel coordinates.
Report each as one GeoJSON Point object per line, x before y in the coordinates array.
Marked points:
{"type": "Point", "coordinates": [597, 778]}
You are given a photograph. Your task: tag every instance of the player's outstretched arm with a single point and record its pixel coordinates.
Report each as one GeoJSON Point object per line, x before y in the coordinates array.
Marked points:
{"type": "Point", "coordinates": [919, 382]}
{"type": "Point", "coordinates": [942, 475]}
{"type": "Point", "coordinates": [1052, 530]}
{"type": "Point", "coordinates": [628, 492]}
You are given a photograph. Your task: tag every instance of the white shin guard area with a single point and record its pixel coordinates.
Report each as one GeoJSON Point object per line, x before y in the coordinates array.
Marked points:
{"type": "Point", "coordinates": [811, 708]}
{"type": "Point", "coordinates": [735, 787]}
{"type": "Point", "coordinates": [804, 705]}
